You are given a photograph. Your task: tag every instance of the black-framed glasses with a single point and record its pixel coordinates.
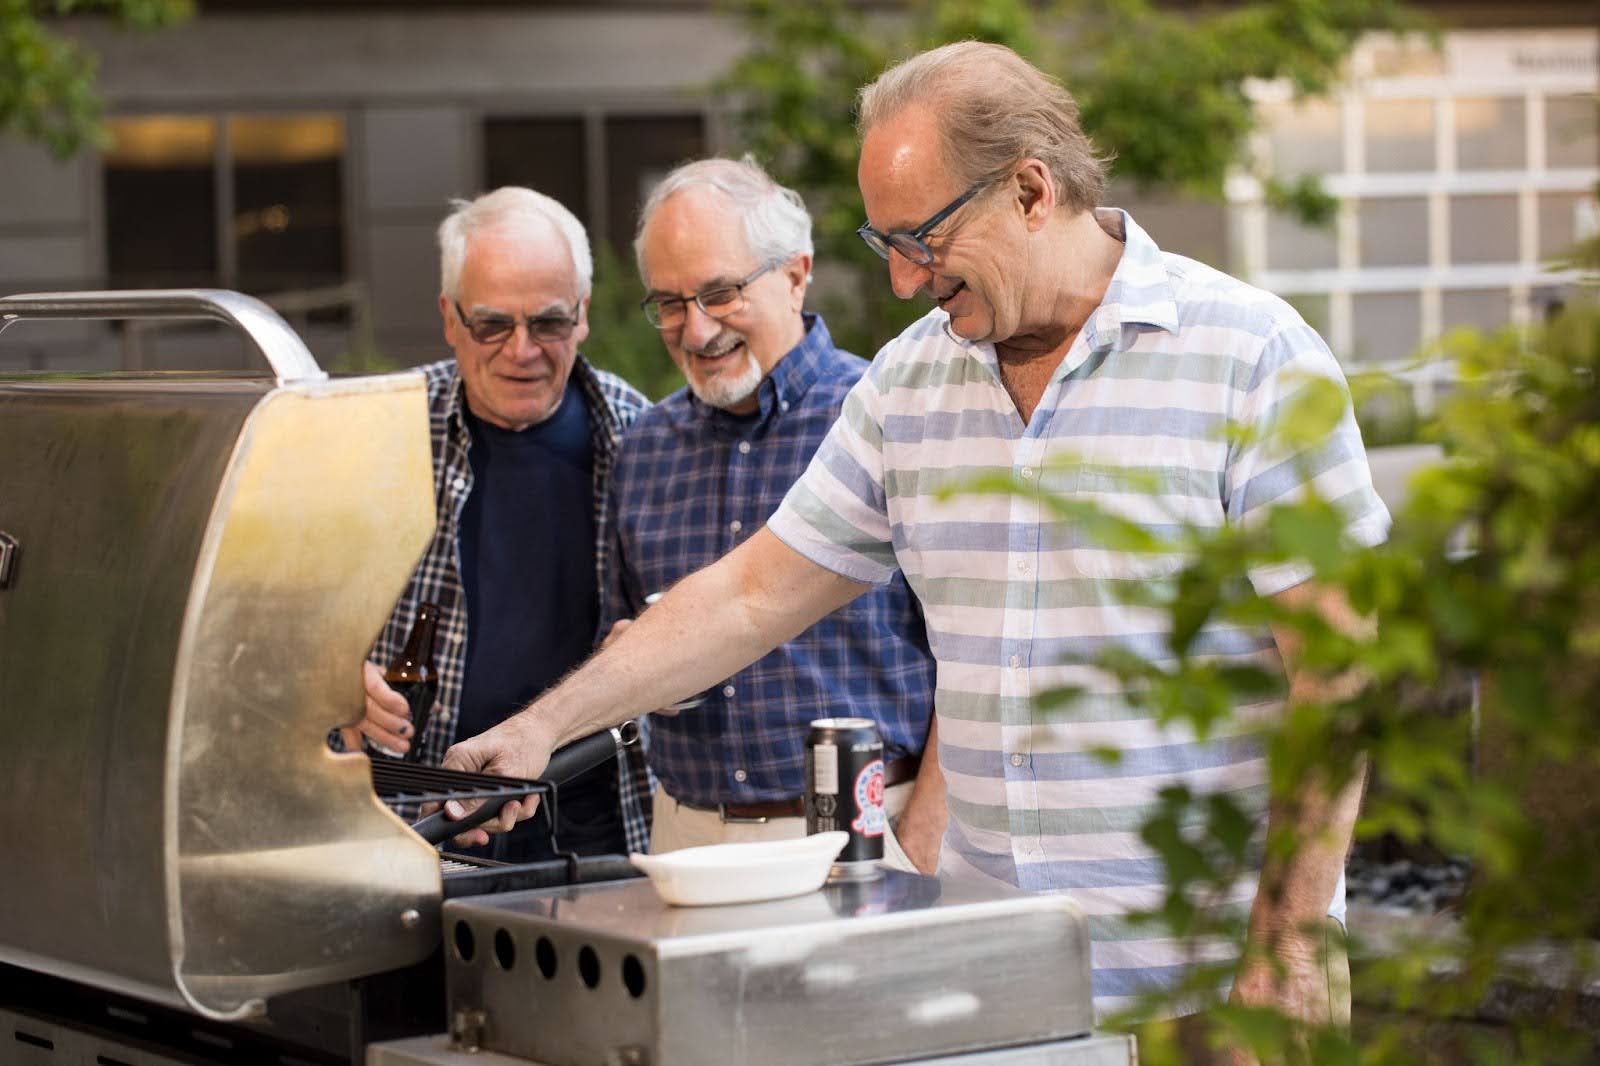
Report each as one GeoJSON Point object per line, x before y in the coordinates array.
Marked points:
{"type": "Point", "coordinates": [494, 328]}
{"type": "Point", "coordinates": [910, 243]}
{"type": "Point", "coordinates": [719, 301]}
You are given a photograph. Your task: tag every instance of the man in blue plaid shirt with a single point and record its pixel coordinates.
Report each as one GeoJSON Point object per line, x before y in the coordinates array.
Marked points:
{"type": "Point", "coordinates": [524, 435]}
{"type": "Point", "coordinates": [725, 253]}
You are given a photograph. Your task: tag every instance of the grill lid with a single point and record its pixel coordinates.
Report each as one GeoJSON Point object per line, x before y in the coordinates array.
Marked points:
{"type": "Point", "coordinates": [203, 563]}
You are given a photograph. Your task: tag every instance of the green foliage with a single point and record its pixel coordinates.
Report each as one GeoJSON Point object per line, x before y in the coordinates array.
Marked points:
{"type": "Point", "coordinates": [1161, 89]}
{"type": "Point", "coordinates": [620, 339]}
{"type": "Point", "coordinates": [47, 81]}
{"type": "Point", "coordinates": [1520, 611]}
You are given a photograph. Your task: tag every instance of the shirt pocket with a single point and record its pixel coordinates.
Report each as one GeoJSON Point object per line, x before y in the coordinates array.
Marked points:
{"type": "Point", "coordinates": [1162, 492]}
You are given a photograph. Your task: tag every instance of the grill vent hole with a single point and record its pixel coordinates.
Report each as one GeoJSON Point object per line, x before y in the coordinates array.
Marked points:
{"type": "Point", "coordinates": [36, 1041]}
{"type": "Point", "coordinates": [589, 966]}
{"type": "Point", "coordinates": [466, 944]}
{"type": "Point", "coordinates": [633, 975]}
{"type": "Point", "coordinates": [505, 950]}
{"type": "Point", "coordinates": [107, 1060]}
{"type": "Point", "coordinates": [544, 953]}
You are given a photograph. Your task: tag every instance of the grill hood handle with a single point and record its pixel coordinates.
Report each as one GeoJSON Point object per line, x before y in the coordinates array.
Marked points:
{"type": "Point", "coordinates": [263, 327]}
{"type": "Point", "coordinates": [565, 764]}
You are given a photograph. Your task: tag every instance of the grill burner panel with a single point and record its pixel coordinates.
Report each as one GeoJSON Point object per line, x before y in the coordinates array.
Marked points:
{"type": "Point", "coordinates": [894, 970]}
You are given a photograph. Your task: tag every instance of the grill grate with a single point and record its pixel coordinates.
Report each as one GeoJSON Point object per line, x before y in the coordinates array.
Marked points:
{"type": "Point", "coordinates": [411, 783]}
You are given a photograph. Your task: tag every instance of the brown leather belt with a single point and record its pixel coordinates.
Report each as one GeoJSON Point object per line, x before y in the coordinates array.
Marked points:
{"type": "Point", "coordinates": [894, 773]}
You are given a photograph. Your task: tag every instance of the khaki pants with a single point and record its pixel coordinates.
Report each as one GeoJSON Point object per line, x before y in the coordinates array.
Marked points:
{"type": "Point", "coordinates": [674, 826]}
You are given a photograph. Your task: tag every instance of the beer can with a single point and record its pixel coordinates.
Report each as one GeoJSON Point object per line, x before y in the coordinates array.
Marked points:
{"type": "Point", "coordinates": [844, 790]}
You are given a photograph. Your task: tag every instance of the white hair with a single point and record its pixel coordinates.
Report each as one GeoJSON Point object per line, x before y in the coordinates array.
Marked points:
{"type": "Point", "coordinates": [777, 226]}
{"type": "Point", "coordinates": [515, 210]}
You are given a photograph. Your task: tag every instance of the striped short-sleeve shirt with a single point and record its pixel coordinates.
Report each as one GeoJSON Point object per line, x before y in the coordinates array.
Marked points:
{"type": "Point", "coordinates": [1016, 601]}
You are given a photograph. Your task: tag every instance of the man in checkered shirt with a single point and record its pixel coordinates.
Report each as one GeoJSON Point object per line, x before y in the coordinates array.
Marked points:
{"type": "Point", "coordinates": [725, 254]}
{"type": "Point", "coordinates": [524, 436]}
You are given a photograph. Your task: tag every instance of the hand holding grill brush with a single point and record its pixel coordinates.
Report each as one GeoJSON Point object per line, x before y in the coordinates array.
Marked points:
{"type": "Point", "coordinates": [565, 764]}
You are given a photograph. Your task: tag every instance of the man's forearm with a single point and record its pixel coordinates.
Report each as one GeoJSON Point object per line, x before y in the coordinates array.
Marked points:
{"type": "Point", "coordinates": [1319, 816]}
{"type": "Point", "coordinates": [709, 626]}
{"type": "Point", "coordinates": [1295, 892]}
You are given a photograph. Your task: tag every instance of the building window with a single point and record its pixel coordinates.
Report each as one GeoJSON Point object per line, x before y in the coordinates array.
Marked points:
{"type": "Point", "coordinates": [639, 153]}
{"type": "Point", "coordinates": [288, 202]}
{"type": "Point", "coordinates": [1491, 134]}
{"type": "Point", "coordinates": [1399, 135]}
{"type": "Point", "coordinates": [1483, 229]}
{"type": "Point", "coordinates": [1304, 136]}
{"type": "Point", "coordinates": [1572, 131]}
{"type": "Point", "coordinates": [1394, 232]}
{"type": "Point", "coordinates": [546, 154]}
{"type": "Point", "coordinates": [1387, 324]}
{"type": "Point", "coordinates": [254, 203]}
{"type": "Point", "coordinates": [161, 204]}
{"type": "Point", "coordinates": [1485, 309]}
{"type": "Point", "coordinates": [600, 167]}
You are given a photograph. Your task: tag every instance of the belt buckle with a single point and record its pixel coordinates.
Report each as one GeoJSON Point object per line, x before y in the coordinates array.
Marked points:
{"type": "Point", "coordinates": [734, 819]}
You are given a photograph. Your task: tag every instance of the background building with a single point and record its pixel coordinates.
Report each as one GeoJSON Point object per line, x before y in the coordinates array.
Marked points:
{"type": "Point", "coordinates": [307, 156]}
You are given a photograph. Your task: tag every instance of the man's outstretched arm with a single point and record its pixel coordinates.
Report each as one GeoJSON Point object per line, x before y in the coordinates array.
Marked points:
{"type": "Point", "coordinates": [707, 627]}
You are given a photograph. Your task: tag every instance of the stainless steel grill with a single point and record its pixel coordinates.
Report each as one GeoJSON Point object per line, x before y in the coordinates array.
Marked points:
{"type": "Point", "coordinates": [192, 568]}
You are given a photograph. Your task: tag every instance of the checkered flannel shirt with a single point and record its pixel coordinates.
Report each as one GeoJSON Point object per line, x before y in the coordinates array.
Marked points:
{"type": "Point", "coordinates": [692, 483]}
{"type": "Point", "coordinates": [613, 405]}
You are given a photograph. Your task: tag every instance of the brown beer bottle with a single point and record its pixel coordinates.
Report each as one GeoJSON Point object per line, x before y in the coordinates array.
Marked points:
{"type": "Point", "coordinates": [414, 675]}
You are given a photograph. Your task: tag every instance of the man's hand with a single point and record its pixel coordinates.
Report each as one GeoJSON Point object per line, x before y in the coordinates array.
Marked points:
{"type": "Point", "coordinates": [920, 829]}
{"type": "Point", "coordinates": [387, 722]}
{"type": "Point", "coordinates": [1299, 985]}
{"type": "Point", "coordinates": [517, 747]}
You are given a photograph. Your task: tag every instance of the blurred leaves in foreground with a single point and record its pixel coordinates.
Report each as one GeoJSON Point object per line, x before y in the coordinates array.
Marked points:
{"type": "Point", "coordinates": [1492, 570]}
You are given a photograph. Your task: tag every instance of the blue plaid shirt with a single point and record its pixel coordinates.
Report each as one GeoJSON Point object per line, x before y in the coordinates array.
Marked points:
{"type": "Point", "coordinates": [613, 404]}
{"type": "Point", "coordinates": [692, 482]}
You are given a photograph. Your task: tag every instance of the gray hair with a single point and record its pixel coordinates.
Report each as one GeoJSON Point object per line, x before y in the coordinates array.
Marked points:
{"type": "Point", "coordinates": [994, 109]}
{"type": "Point", "coordinates": [514, 210]}
{"type": "Point", "coordinates": [776, 224]}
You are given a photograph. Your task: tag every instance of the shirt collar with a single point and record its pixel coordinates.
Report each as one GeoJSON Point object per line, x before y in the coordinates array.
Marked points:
{"type": "Point", "coordinates": [787, 382]}
{"type": "Point", "coordinates": [1140, 293]}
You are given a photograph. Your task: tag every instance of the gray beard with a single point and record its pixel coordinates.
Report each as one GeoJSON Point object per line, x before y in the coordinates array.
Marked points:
{"type": "Point", "coordinates": [723, 391]}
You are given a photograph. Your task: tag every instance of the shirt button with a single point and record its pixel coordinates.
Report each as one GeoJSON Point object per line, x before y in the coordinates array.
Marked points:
{"type": "Point", "coordinates": [459, 484]}
{"type": "Point", "coordinates": [739, 775]}
{"type": "Point", "coordinates": [736, 525]}
{"type": "Point", "coordinates": [727, 690]}
{"type": "Point", "coordinates": [783, 405]}
{"type": "Point", "coordinates": [1027, 471]}
{"type": "Point", "coordinates": [457, 638]}
{"type": "Point", "coordinates": [744, 447]}
{"type": "Point", "coordinates": [1015, 661]}
{"type": "Point", "coordinates": [1022, 567]}
{"type": "Point", "coordinates": [1017, 759]}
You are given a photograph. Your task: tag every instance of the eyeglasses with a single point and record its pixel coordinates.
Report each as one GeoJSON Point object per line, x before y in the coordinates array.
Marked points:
{"type": "Point", "coordinates": [495, 328]}
{"type": "Point", "coordinates": [910, 244]}
{"type": "Point", "coordinates": [720, 301]}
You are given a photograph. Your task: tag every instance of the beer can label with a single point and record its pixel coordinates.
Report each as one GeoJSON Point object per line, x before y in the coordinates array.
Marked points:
{"type": "Point", "coordinates": [870, 820]}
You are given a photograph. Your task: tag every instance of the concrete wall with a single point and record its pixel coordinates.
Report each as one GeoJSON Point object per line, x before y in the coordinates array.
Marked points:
{"type": "Point", "coordinates": [413, 90]}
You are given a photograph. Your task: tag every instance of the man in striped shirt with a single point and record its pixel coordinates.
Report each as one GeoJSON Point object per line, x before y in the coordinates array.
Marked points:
{"type": "Point", "coordinates": [1064, 344]}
